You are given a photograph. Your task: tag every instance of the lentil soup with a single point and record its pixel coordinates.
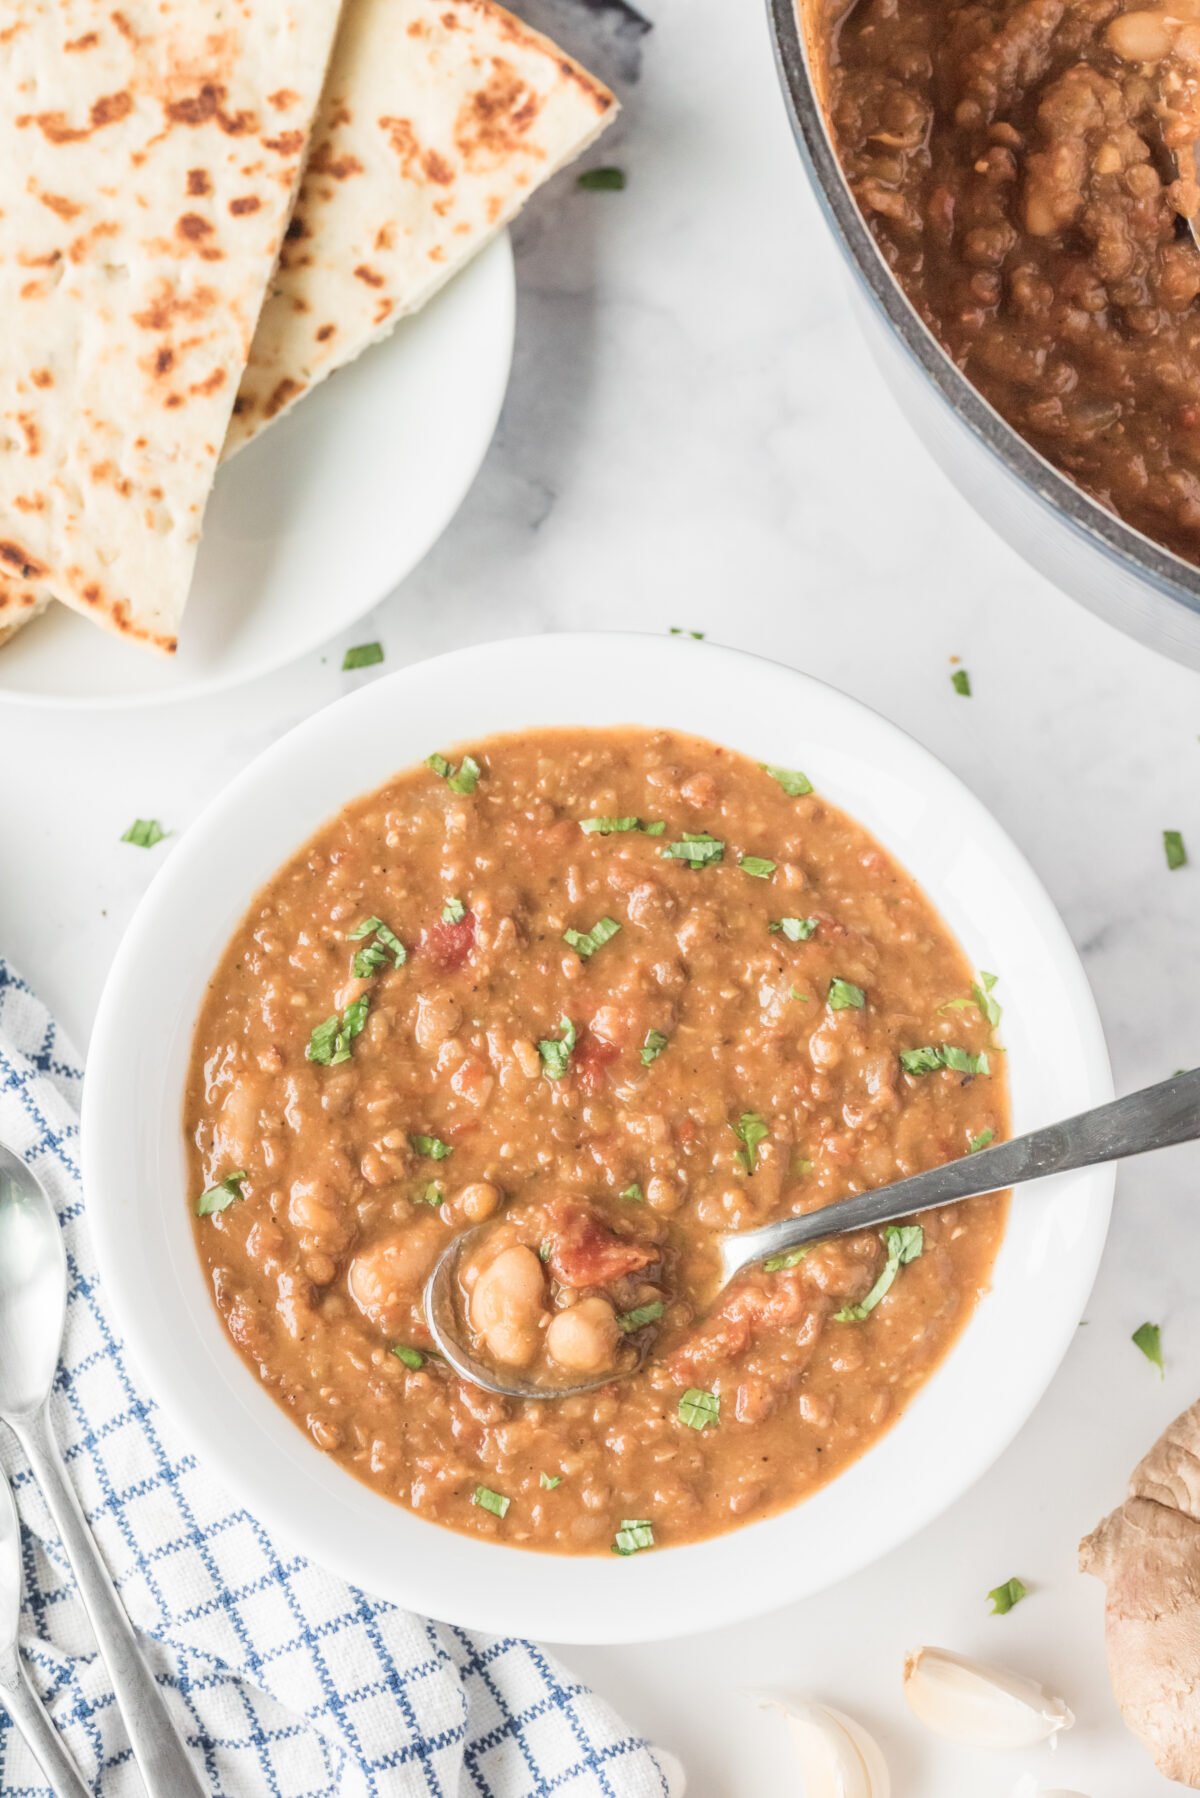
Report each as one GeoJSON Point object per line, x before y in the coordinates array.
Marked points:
{"type": "Point", "coordinates": [610, 992]}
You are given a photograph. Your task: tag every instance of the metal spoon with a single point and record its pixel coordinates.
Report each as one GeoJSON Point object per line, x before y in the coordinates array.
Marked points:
{"type": "Point", "coordinates": [33, 1302]}
{"type": "Point", "coordinates": [17, 1696]}
{"type": "Point", "coordinates": [1152, 1119]}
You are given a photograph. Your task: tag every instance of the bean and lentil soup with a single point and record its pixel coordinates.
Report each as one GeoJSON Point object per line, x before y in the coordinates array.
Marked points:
{"type": "Point", "coordinates": [1014, 161]}
{"type": "Point", "coordinates": [608, 993]}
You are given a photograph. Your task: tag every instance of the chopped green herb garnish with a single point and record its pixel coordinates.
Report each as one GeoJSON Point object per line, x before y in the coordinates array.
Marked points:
{"type": "Point", "coordinates": [439, 764]}
{"type": "Point", "coordinates": [556, 1051]}
{"type": "Point", "coordinates": [1148, 1338]}
{"type": "Point", "coordinates": [843, 995]}
{"type": "Point", "coordinates": [634, 1533]}
{"type": "Point", "coordinates": [608, 827]}
{"type": "Point", "coordinates": [697, 848]}
{"type": "Point", "coordinates": [981, 997]}
{"type": "Point", "coordinates": [453, 912]}
{"type": "Point", "coordinates": [775, 1264]}
{"type": "Point", "coordinates": [144, 833]}
{"type": "Point", "coordinates": [653, 1046]}
{"type": "Point", "coordinates": [1006, 1596]}
{"type": "Point", "coordinates": [796, 930]}
{"type": "Point", "coordinates": [487, 1500]}
{"type": "Point", "coordinates": [633, 1193]}
{"type": "Point", "coordinates": [544, 1249]}
{"type": "Point", "coordinates": [677, 630]}
{"type": "Point", "coordinates": [463, 779]}
{"type": "Point", "coordinates": [904, 1243]}
{"type": "Point", "coordinates": [700, 1410]}
{"type": "Point", "coordinates": [368, 961]}
{"type": "Point", "coordinates": [601, 181]}
{"type": "Point", "coordinates": [431, 1193]}
{"type": "Point", "coordinates": [961, 682]}
{"type": "Point", "coordinates": [221, 1196]}
{"type": "Point", "coordinates": [432, 1147]}
{"type": "Point", "coordinates": [586, 942]}
{"type": "Point", "coordinates": [943, 1055]}
{"type": "Point", "coordinates": [794, 784]}
{"type": "Point", "coordinates": [363, 655]}
{"type": "Point", "coordinates": [411, 1357]}
{"type": "Point", "coordinates": [329, 1043]}
{"type": "Point", "coordinates": [640, 1316]}
{"type": "Point", "coordinates": [981, 1141]}
{"type": "Point", "coordinates": [758, 866]}
{"type": "Point", "coordinates": [1175, 851]}
{"type": "Point", "coordinates": [548, 1481]}
{"type": "Point", "coordinates": [750, 1130]}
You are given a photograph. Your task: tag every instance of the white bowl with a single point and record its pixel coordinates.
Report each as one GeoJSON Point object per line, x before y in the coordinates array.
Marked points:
{"type": "Point", "coordinates": [137, 1188]}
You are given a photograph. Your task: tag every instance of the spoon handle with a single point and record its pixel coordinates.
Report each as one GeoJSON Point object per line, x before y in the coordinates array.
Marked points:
{"type": "Point", "coordinates": [160, 1755]}
{"type": "Point", "coordinates": [1154, 1118]}
{"type": "Point", "coordinates": [43, 1741]}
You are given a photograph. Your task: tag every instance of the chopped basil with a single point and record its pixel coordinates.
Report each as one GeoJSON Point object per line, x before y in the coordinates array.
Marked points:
{"type": "Point", "coordinates": [700, 1410]}
{"type": "Point", "coordinates": [795, 993]}
{"type": "Point", "coordinates": [981, 1141]}
{"type": "Point", "coordinates": [432, 1147]}
{"type": "Point", "coordinates": [1173, 845]}
{"type": "Point", "coordinates": [144, 833]}
{"type": "Point", "coordinates": [586, 942]}
{"type": "Point", "coordinates": [487, 1500]}
{"type": "Point", "coordinates": [943, 1055]}
{"type": "Point", "coordinates": [1148, 1338]}
{"type": "Point", "coordinates": [329, 1043]}
{"type": "Point", "coordinates": [544, 1249]}
{"type": "Point", "coordinates": [463, 779]}
{"type": "Point", "coordinates": [653, 1046]}
{"type": "Point", "coordinates": [775, 1264]}
{"type": "Point", "coordinates": [961, 682]}
{"type": "Point", "coordinates": [608, 827]}
{"type": "Point", "coordinates": [796, 930]}
{"type": "Point", "coordinates": [750, 1130]}
{"type": "Point", "coordinates": [548, 1481]}
{"type": "Point", "coordinates": [1006, 1596]}
{"type": "Point", "coordinates": [431, 1193]}
{"type": "Point", "coordinates": [643, 1314]}
{"type": "Point", "coordinates": [601, 181]}
{"type": "Point", "coordinates": [634, 1533]}
{"type": "Point", "coordinates": [363, 655]}
{"type": "Point", "coordinates": [556, 1051]}
{"type": "Point", "coordinates": [981, 997]}
{"type": "Point", "coordinates": [368, 961]}
{"type": "Point", "coordinates": [411, 1357]}
{"type": "Point", "coordinates": [439, 764]}
{"type": "Point", "coordinates": [794, 784]}
{"type": "Point", "coordinates": [677, 630]}
{"type": "Point", "coordinates": [758, 866]}
{"type": "Point", "coordinates": [843, 995]}
{"type": "Point", "coordinates": [696, 848]}
{"type": "Point", "coordinates": [633, 1193]}
{"type": "Point", "coordinates": [904, 1243]}
{"type": "Point", "coordinates": [453, 912]}
{"type": "Point", "coordinates": [221, 1196]}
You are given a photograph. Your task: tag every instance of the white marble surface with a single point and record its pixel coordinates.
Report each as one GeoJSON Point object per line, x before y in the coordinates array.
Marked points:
{"type": "Point", "coordinates": [690, 427]}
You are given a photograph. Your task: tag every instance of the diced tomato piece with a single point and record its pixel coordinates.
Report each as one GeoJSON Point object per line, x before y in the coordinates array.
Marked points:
{"type": "Point", "coordinates": [447, 945]}
{"type": "Point", "coordinates": [687, 1131]}
{"type": "Point", "coordinates": [757, 1304]}
{"type": "Point", "coordinates": [585, 1252]}
{"type": "Point", "coordinates": [591, 1060]}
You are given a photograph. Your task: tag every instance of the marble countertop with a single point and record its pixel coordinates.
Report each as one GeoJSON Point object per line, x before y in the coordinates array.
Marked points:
{"type": "Point", "coordinates": [694, 436]}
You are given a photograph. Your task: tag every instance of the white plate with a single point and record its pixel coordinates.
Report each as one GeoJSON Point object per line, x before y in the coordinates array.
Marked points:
{"type": "Point", "coordinates": [319, 519]}
{"type": "Point", "coordinates": [135, 1173]}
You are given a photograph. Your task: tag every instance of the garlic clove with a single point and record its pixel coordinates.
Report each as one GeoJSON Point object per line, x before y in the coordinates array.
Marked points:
{"type": "Point", "coordinates": [988, 1707]}
{"type": "Point", "coordinates": [838, 1757]}
{"type": "Point", "coordinates": [671, 1768]}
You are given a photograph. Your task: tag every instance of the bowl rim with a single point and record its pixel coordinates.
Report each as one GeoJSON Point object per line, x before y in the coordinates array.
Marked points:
{"type": "Point", "coordinates": [1168, 575]}
{"type": "Point", "coordinates": [132, 1147]}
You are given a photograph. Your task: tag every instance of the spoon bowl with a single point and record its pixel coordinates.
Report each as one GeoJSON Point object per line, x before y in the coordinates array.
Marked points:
{"type": "Point", "coordinates": [33, 1289]}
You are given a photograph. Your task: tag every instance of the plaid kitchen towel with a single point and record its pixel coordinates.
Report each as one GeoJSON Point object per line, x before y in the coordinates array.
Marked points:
{"type": "Point", "coordinates": [285, 1681]}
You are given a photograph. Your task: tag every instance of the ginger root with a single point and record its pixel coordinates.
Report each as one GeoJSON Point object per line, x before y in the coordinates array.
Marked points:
{"type": "Point", "coordinates": [1148, 1555]}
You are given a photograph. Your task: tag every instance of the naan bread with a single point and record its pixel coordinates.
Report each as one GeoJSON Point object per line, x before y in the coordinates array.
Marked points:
{"type": "Point", "coordinates": [148, 160]}
{"type": "Point", "coordinates": [440, 118]}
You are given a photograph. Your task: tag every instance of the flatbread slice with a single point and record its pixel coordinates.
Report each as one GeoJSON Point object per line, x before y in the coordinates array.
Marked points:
{"type": "Point", "coordinates": [149, 157]}
{"type": "Point", "coordinates": [440, 118]}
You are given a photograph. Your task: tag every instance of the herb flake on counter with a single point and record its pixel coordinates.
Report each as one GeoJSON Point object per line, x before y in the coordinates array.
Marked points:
{"type": "Point", "coordinates": [586, 942]}
{"type": "Point", "coordinates": [609, 827]}
{"type": "Point", "coordinates": [601, 181]}
{"type": "Point", "coordinates": [1004, 1597]}
{"type": "Point", "coordinates": [653, 1047]}
{"type": "Point", "coordinates": [548, 1481]}
{"type": "Point", "coordinates": [904, 1243]}
{"type": "Point", "coordinates": [843, 995]}
{"type": "Point", "coordinates": [678, 630]}
{"type": "Point", "coordinates": [411, 1357]}
{"type": "Point", "coordinates": [943, 1055]}
{"type": "Point", "coordinates": [430, 1194]}
{"type": "Point", "coordinates": [431, 1147]}
{"type": "Point", "coordinates": [634, 1534]}
{"type": "Point", "coordinates": [696, 848]}
{"type": "Point", "coordinates": [633, 1193]}
{"type": "Point", "coordinates": [487, 1500]}
{"type": "Point", "coordinates": [1148, 1337]}
{"type": "Point", "coordinates": [1173, 847]}
{"type": "Point", "coordinates": [775, 1264]}
{"type": "Point", "coordinates": [363, 655]}
{"type": "Point", "coordinates": [144, 833]}
{"type": "Point", "coordinates": [463, 779]}
{"type": "Point", "coordinates": [556, 1051]}
{"type": "Point", "coordinates": [796, 930]}
{"type": "Point", "coordinates": [640, 1316]}
{"type": "Point", "coordinates": [981, 1141]}
{"type": "Point", "coordinates": [750, 1130]}
{"type": "Point", "coordinates": [453, 912]}
{"type": "Point", "coordinates": [794, 784]}
{"type": "Point", "coordinates": [221, 1196]}
{"type": "Point", "coordinates": [960, 680]}
{"type": "Point", "coordinates": [329, 1043]}
{"type": "Point", "coordinates": [700, 1410]}
{"type": "Point", "coordinates": [757, 866]}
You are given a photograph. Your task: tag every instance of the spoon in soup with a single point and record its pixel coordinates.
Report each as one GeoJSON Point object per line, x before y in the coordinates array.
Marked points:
{"type": "Point", "coordinates": [1154, 1118]}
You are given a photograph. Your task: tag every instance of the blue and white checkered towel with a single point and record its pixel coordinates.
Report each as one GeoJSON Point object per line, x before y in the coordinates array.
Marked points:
{"type": "Point", "coordinates": [285, 1681]}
